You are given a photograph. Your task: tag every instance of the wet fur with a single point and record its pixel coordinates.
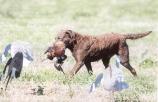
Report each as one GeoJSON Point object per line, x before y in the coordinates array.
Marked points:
{"type": "Point", "coordinates": [86, 49]}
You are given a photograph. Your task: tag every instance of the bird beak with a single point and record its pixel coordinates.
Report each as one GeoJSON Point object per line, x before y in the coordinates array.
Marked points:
{"type": "Point", "coordinates": [46, 51]}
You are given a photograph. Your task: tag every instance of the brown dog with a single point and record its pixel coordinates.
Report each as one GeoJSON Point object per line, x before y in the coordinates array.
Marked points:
{"type": "Point", "coordinates": [86, 49]}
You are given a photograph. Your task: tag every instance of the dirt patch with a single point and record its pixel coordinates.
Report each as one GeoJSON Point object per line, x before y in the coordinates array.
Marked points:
{"type": "Point", "coordinates": [52, 92]}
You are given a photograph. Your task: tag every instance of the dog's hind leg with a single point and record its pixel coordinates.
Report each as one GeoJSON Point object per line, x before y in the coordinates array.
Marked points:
{"type": "Point", "coordinates": [124, 57]}
{"type": "Point", "coordinates": [89, 67]}
{"type": "Point", "coordinates": [106, 62]}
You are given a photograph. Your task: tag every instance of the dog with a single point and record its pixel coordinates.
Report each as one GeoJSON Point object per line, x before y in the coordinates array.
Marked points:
{"type": "Point", "coordinates": [15, 67]}
{"type": "Point", "coordinates": [86, 48]}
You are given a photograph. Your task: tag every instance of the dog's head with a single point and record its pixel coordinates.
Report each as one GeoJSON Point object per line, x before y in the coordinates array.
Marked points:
{"type": "Point", "coordinates": [67, 36]}
{"type": "Point", "coordinates": [57, 50]}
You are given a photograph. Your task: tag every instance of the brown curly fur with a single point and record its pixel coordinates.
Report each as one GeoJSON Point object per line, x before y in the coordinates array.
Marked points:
{"type": "Point", "coordinates": [86, 49]}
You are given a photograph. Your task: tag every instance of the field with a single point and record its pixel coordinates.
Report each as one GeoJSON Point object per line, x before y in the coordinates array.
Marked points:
{"type": "Point", "coordinates": [38, 21]}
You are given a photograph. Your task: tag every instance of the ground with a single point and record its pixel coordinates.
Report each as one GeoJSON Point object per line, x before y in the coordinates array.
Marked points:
{"type": "Point", "coordinates": [38, 23]}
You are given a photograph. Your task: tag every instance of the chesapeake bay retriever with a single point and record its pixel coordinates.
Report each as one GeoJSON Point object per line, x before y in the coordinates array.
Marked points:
{"type": "Point", "coordinates": [86, 49]}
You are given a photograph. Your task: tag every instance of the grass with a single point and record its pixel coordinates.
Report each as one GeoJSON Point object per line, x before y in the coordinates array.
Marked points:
{"type": "Point", "coordinates": [143, 85]}
{"type": "Point", "coordinates": [47, 75]}
{"type": "Point", "coordinates": [148, 63]}
{"type": "Point", "coordinates": [38, 22]}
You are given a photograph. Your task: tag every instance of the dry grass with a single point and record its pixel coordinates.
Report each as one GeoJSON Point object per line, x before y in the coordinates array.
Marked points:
{"type": "Point", "coordinates": [53, 92]}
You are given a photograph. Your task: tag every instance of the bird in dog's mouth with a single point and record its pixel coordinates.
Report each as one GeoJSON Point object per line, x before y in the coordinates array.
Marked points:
{"type": "Point", "coordinates": [58, 51]}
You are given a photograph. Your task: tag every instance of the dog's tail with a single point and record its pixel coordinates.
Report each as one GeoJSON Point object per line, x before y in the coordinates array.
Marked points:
{"type": "Point", "coordinates": [136, 35]}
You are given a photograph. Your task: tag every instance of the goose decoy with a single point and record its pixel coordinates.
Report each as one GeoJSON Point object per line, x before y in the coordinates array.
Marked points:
{"type": "Point", "coordinates": [15, 65]}
{"type": "Point", "coordinates": [113, 81]}
{"type": "Point", "coordinates": [18, 46]}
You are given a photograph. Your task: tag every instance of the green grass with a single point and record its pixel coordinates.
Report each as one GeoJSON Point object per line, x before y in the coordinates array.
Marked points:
{"type": "Point", "coordinates": [143, 85]}
{"type": "Point", "coordinates": [47, 76]}
{"type": "Point", "coordinates": [148, 63]}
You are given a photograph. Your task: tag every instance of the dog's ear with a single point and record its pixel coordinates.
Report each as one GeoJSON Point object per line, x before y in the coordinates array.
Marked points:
{"type": "Point", "coordinates": [70, 33]}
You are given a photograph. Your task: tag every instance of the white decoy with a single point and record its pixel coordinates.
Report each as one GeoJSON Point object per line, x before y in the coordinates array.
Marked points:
{"type": "Point", "coordinates": [18, 46]}
{"type": "Point", "coordinates": [113, 81]}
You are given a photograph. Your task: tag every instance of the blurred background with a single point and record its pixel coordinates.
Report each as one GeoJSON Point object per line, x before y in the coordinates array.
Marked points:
{"type": "Point", "coordinates": [38, 21]}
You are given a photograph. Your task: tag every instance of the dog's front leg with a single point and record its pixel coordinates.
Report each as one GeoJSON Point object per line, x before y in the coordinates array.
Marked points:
{"type": "Point", "coordinates": [80, 56]}
{"type": "Point", "coordinates": [76, 68]}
